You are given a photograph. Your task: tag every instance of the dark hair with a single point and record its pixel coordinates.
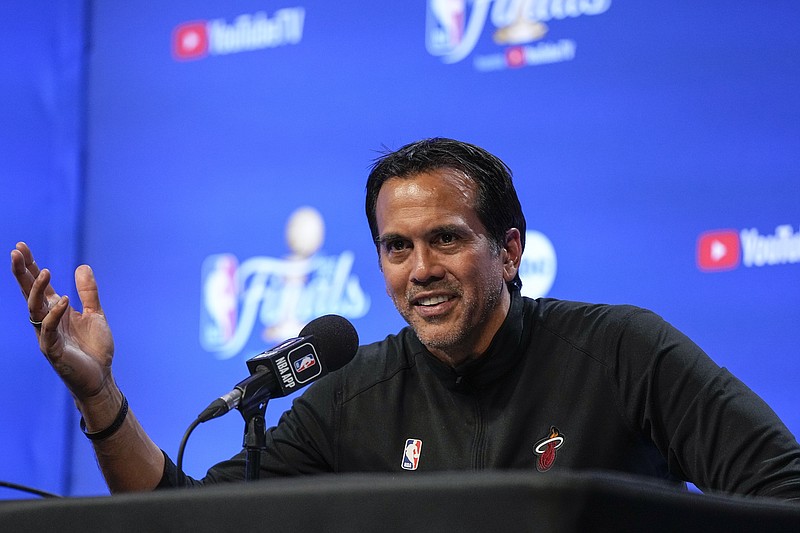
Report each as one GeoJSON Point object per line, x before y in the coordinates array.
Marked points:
{"type": "Point", "coordinates": [497, 205]}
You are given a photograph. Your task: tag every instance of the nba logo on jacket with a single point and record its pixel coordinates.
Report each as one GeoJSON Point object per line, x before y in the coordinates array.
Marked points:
{"type": "Point", "coordinates": [411, 452]}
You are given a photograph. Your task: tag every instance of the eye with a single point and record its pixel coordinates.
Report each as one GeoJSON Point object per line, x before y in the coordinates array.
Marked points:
{"type": "Point", "coordinates": [447, 238]}
{"type": "Point", "coordinates": [395, 245]}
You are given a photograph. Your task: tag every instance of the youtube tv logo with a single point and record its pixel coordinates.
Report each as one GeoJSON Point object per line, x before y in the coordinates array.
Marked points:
{"type": "Point", "coordinates": [190, 40]}
{"type": "Point", "coordinates": [198, 39]}
{"type": "Point", "coordinates": [727, 249]}
{"type": "Point", "coordinates": [718, 250]}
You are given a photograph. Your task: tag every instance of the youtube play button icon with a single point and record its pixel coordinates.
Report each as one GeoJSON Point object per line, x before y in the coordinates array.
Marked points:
{"type": "Point", "coordinates": [718, 250]}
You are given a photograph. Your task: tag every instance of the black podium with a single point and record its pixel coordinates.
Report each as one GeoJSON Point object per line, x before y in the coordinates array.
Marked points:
{"type": "Point", "coordinates": [491, 501]}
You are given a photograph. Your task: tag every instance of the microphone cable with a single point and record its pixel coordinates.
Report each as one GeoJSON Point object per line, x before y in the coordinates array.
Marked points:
{"type": "Point", "coordinates": [181, 449]}
{"type": "Point", "coordinates": [31, 490]}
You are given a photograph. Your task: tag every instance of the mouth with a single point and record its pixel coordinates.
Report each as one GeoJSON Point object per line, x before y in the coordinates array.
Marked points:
{"type": "Point", "coordinates": [431, 301]}
{"type": "Point", "coordinates": [434, 307]}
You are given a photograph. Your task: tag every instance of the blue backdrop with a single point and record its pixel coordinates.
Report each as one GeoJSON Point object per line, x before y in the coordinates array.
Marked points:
{"type": "Point", "coordinates": [41, 80]}
{"type": "Point", "coordinates": [656, 150]}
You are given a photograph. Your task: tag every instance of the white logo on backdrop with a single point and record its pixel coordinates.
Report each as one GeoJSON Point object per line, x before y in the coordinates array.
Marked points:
{"type": "Point", "coordinates": [537, 270]}
{"type": "Point", "coordinates": [280, 295]}
{"type": "Point", "coordinates": [254, 32]}
{"type": "Point", "coordinates": [780, 248]}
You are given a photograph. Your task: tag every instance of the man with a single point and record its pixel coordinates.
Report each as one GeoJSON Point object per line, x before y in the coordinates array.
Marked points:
{"type": "Point", "coordinates": [482, 379]}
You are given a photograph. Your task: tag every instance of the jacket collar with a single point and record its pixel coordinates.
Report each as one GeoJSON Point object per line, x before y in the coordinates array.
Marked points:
{"type": "Point", "coordinates": [502, 355]}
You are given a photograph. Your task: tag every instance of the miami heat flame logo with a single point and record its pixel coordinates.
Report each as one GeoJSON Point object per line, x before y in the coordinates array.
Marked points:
{"type": "Point", "coordinates": [546, 449]}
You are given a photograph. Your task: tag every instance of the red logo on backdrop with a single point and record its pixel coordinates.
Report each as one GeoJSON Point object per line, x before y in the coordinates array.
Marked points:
{"type": "Point", "coordinates": [718, 250]}
{"type": "Point", "coordinates": [515, 57]}
{"type": "Point", "coordinates": [190, 40]}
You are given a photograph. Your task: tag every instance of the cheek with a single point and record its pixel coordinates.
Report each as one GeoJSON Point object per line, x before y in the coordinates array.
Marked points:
{"type": "Point", "coordinates": [393, 280]}
{"type": "Point", "coordinates": [389, 290]}
{"type": "Point", "coordinates": [487, 276]}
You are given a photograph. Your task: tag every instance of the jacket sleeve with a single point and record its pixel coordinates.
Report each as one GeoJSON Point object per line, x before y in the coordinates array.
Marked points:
{"type": "Point", "coordinates": [712, 429]}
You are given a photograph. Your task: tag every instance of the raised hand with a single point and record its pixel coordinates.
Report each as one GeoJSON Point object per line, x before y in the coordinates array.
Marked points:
{"type": "Point", "coordinates": [80, 348]}
{"type": "Point", "coordinates": [78, 345]}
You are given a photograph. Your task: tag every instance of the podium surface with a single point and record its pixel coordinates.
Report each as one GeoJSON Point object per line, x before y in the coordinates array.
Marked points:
{"type": "Point", "coordinates": [468, 501]}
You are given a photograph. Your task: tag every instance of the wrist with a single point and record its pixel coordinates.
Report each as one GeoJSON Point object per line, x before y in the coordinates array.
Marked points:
{"type": "Point", "coordinates": [110, 430]}
{"type": "Point", "coordinates": [100, 410]}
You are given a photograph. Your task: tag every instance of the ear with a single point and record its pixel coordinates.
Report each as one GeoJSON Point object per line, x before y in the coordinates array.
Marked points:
{"type": "Point", "coordinates": [512, 254]}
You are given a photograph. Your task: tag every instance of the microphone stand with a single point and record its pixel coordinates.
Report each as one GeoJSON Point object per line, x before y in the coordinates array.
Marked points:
{"type": "Point", "coordinates": [253, 407]}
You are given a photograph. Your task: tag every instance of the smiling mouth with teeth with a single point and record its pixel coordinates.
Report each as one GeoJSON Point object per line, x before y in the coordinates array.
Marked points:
{"type": "Point", "coordinates": [433, 301]}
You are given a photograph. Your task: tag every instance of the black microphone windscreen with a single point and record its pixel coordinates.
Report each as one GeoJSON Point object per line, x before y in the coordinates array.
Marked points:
{"type": "Point", "coordinates": [335, 337]}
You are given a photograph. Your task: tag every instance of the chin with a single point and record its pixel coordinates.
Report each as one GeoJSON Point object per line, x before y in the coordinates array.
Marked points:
{"type": "Point", "coordinates": [448, 338]}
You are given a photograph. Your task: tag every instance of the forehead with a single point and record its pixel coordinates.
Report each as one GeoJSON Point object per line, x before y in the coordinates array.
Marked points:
{"type": "Point", "coordinates": [437, 196]}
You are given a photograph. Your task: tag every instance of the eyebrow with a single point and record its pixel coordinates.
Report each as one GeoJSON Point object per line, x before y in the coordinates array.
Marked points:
{"type": "Point", "coordinates": [386, 237]}
{"type": "Point", "coordinates": [445, 228]}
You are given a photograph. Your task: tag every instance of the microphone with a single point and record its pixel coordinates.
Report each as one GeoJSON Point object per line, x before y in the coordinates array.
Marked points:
{"type": "Point", "coordinates": [326, 344]}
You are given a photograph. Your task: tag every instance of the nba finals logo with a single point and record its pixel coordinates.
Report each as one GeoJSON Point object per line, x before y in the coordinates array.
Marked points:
{"type": "Point", "coordinates": [280, 295]}
{"type": "Point", "coordinates": [454, 27]}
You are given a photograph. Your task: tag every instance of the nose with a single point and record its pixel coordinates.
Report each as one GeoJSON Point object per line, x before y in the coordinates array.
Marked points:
{"type": "Point", "coordinates": [426, 266]}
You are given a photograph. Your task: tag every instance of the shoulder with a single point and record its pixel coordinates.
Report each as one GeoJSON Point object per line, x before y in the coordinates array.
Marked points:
{"type": "Point", "coordinates": [594, 328]}
{"type": "Point", "coordinates": [376, 363]}
{"type": "Point", "coordinates": [568, 318]}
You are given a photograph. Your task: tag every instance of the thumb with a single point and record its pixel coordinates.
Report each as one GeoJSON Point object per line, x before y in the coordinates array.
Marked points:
{"type": "Point", "coordinates": [87, 289]}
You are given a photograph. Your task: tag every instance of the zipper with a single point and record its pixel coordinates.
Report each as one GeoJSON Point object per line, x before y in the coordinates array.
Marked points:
{"type": "Point", "coordinates": [479, 445]}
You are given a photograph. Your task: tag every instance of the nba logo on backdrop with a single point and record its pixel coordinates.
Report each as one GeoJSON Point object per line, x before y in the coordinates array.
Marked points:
{"type": "Point", "coordinates": [220, 299]}
{"type": "Point", "coordinates": [718, 250]}
{"type": "Point", "coordinates": [411, 453]}
{"type": "Point", "coordinates": [445, 25]}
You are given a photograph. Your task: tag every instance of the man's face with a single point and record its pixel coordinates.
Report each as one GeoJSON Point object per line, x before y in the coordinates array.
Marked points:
{"type": "Point", "coordinates": [443, 272]}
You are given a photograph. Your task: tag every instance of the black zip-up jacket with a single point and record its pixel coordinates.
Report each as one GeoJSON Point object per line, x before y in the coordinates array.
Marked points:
{"type": "Point", "coordinates": [563, 385]}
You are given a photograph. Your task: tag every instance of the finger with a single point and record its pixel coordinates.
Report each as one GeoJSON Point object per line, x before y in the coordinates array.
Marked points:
{"type": "Point", "coordinates": [30, 262]}
{"type": "Point", "coordinates": [50, 342]}
{"type": "Point", "coordinates": [25, 269]}
{"type": "Point", "coordinates": [37, 302]}
{"type": "Point", "coordinates": [86, 284]}
{"type": "Point", "coordinates": [21, 273]}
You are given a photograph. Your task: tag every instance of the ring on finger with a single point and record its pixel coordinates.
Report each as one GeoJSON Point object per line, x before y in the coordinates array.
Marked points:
{"type": "Point", "coordinates": [36, 324]}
